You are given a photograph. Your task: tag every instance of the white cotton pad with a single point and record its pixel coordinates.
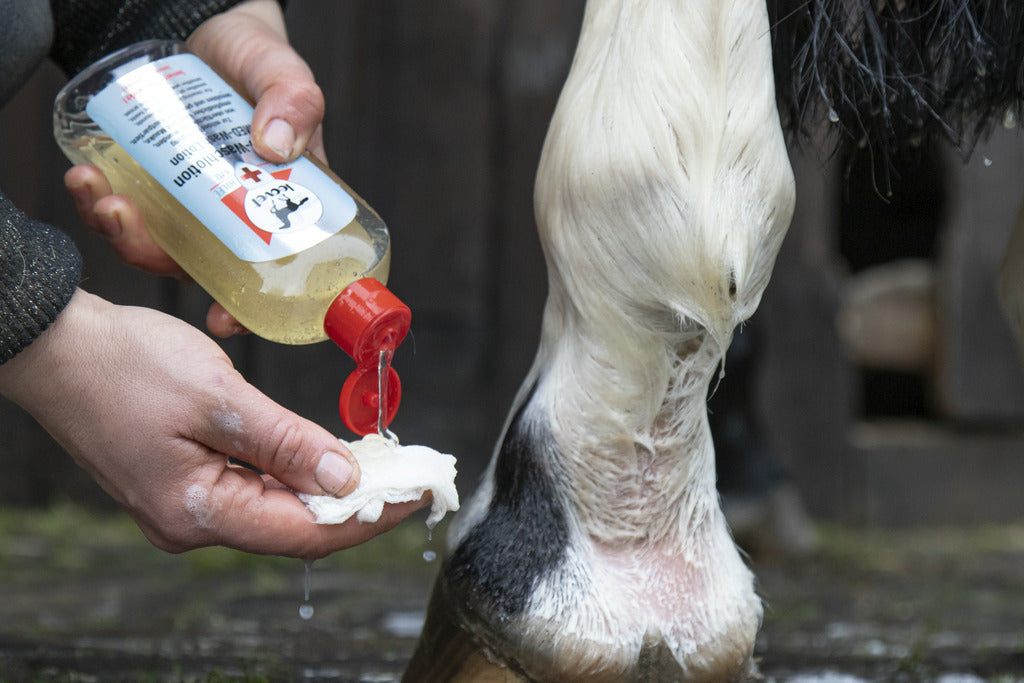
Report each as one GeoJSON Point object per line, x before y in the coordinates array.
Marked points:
{"type": "Point", "coordinates": [390, 474]}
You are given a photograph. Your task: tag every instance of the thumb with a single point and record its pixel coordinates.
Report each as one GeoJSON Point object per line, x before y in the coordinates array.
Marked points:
{"type": "Point", "coordinates": [295, 451]}
{"type": "Point", "coordinates": [289, 107]}
{"type": "Point", "coordinates": [248, 46]}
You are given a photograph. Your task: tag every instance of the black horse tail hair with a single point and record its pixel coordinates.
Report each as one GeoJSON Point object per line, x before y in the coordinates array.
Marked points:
{"type": "Point", "coordinates": [891, 75]}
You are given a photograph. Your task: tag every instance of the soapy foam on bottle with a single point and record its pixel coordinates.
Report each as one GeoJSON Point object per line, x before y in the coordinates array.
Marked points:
{"type": "Point", "coordinates": [390, 474]}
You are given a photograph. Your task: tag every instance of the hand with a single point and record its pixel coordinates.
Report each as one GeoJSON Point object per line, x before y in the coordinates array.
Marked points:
{"type": "Point", "coordinates": [152, 409]}
{"type": "Point", "coordinates": [247, 45]}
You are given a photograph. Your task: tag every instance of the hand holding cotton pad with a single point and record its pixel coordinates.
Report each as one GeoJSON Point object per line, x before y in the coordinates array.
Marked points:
{"type": "Point", "coordinates": [390, 474]}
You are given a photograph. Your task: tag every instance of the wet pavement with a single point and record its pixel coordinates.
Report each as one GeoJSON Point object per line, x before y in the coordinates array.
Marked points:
{"type": "Point", "coordinates": [938, 605]}
{"type": "Point", "coordinates": [83, 597]}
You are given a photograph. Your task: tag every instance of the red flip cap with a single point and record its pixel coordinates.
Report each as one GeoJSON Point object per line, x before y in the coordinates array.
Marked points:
{"type": "Point", "coordinates": [365, 319]}
{"type": "Point", "coordinates": [359, 403]}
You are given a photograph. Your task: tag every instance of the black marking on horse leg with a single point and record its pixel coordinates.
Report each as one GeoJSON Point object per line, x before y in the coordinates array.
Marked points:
{"type": "Point", "coordinates": [524, 534]}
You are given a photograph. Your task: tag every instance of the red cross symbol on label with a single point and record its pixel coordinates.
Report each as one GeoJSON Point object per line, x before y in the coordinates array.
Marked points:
{"type": "Point", "coordinates": [235, 200]}
{"type": "Point", "coordinates": [251, 174]}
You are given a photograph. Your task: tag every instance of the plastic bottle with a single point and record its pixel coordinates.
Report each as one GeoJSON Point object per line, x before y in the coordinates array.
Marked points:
{"type": "Point", "coordinates": [288, 249]}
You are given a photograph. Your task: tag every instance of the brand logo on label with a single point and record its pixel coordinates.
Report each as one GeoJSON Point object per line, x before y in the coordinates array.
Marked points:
{"type": "Point", "coordinates": [274, 203]}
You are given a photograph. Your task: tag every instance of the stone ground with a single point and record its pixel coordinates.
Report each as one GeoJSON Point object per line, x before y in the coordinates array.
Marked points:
{"type": "Point", "coordinates": [83, 597]}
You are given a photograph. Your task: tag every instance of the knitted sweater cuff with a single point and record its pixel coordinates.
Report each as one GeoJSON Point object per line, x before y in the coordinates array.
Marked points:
{"type": "Point", "coordinates": [86, 30]}
{"type": "Point", "coordinates": [40, 268]}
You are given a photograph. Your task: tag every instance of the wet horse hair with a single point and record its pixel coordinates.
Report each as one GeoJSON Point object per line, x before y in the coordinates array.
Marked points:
{"type": "Point", "coordinates": [892, 75]}
{"type": "Point", "coordinates": [595, 548]}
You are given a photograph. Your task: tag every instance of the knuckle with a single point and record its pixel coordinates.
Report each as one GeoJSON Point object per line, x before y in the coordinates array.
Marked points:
{"type": "Point", "coordinates": [286, 446]}
{"type": "Point", "coordinates": [308, 97]}
{"type": "Point", "coordinates": [281, 69]}
{"type": "Point", "coordinates": [172, 539]}
{"type": "Point", "coordinates": [222, 377]}
{"type": "Point", "coordinates": [299, 101]}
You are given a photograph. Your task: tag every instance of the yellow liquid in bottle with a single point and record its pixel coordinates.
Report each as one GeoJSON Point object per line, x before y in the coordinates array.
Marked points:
{"type": "Point", "coordinates": [283, 300]}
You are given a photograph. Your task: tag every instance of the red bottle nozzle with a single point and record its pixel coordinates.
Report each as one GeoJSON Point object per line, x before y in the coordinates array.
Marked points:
{"type": "Point", "coordinates": [365, 319]}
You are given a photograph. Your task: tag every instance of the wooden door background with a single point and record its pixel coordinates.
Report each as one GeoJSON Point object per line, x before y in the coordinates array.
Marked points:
{"type": "Point", "coordinates": [436, 113]}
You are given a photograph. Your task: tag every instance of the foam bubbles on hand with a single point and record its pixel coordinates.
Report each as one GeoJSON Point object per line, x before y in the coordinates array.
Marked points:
{"type": "Point", "coordinates": [197, 503]}
{"type": "Point", "coordinates": [390, 474]}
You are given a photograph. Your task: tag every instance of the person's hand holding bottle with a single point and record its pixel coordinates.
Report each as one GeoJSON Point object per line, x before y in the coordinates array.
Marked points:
{"type": "Point", "coordinates": [248, 47]}
{"type": "Point", "coordinates": [150, 406]}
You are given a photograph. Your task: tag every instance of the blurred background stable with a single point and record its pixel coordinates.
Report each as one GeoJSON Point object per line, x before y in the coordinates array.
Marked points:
{"type": "Point", "coordinates": [887, 380]}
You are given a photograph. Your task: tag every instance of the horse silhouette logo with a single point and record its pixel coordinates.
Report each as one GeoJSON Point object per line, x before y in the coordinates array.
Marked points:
{"type": "Point", "coordinates": [274, 202]}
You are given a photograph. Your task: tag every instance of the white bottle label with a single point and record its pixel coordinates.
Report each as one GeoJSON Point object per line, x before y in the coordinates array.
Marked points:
{"type": "Point", "coordinates": [190, 131]}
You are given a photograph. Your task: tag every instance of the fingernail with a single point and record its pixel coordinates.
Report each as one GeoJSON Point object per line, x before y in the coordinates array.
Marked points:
{"type": "Point", "coordinates": [109, 224]}
{"type": "Point", "coordinates": [280, 137]}
{"type": "Point", "coordinates": [333, 473]}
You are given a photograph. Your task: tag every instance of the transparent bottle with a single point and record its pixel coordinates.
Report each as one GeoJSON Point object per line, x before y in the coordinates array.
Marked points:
{"type": "Point", "coordinates": [288, 249]}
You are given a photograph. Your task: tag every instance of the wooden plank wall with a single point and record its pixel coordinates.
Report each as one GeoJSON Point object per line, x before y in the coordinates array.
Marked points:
{"type": "Point", "coordinates": [436, 112]}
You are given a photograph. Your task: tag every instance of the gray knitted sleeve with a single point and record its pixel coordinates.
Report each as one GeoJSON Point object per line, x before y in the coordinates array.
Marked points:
{"type": "Point", "coordinates": [40, 269]}
{"type": "Point", "coordinates": [86, 30]}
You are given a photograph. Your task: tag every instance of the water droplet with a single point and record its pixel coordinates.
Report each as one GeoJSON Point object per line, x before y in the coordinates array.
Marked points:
{"type": "Point", "coordinates": [429, 555]}
{"type": "Point", "coordinates": [308, 578]}
{"type": "Point", "coordinates": [306, 609]}
{"type": "Point", "coordinates": [1010, 119]}
{"type": "Point", "coordinates": [833, 115]}
{"type": "Point", "coordinates": [988, 162]}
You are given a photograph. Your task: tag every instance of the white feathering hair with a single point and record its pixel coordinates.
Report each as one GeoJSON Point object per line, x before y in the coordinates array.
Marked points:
{"type": "Point", "coordinates": [663, 194]}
